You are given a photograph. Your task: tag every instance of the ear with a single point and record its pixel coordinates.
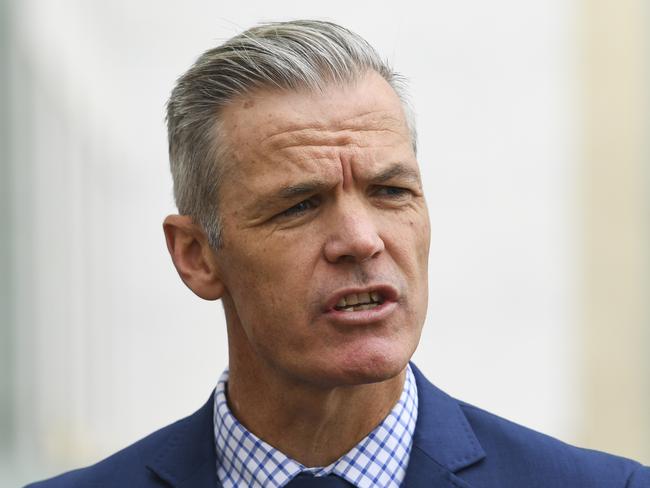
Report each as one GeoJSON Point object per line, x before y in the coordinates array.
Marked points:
{"type": "Point", "coordinates": [193, 257]}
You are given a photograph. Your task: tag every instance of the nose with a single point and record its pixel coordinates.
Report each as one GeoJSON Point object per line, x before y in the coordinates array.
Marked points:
{"type": "Point", "coordinates": [353, 237]}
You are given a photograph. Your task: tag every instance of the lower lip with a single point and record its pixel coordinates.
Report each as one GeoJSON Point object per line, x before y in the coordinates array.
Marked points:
{"type": "Point", "coordinates": [362, 317]}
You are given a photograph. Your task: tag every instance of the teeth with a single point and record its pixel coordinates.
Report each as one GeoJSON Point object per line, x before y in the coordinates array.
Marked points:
{"type": "Point", "coordinates": [359, 301]}
{"type": "Point", "coordinates": [352, 299]}
{"type": "Point", "coordinates": [359, 308]}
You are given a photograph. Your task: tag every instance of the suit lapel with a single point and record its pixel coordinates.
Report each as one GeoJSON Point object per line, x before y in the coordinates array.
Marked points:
{"type": "Point", "coordinates": [424, 472]}
{"type": "Point", "coordinates": [187, 458]}
{"type": "Point", "coordinates": [443, 442]}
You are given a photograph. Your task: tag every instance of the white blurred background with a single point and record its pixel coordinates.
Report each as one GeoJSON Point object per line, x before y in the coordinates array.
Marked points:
{"type": "Point", "coordinates": [533, 125]}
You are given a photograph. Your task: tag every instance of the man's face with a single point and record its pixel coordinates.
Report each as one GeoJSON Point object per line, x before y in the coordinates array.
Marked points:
{"type": "Point", "coordinates": [326, 234]}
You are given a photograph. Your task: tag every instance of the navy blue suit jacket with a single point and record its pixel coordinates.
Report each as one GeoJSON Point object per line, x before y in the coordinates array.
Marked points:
{"type": "Point", "coordinates": [455, 445]}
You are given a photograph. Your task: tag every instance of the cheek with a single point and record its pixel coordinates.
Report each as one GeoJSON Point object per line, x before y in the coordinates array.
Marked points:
{"type": "Point", "coordinates": [268, 278]}
{"type": "Point", "coordinates": [410, 238]}
{"type": "Point", "coordinates": [421, 237]}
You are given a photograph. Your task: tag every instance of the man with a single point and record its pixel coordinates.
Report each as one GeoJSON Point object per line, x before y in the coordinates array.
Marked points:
{"type": "Point", "coordinates": [293, 154]}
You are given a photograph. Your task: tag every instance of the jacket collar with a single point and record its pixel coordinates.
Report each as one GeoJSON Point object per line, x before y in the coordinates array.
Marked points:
{"type": "Point", "coordinates": [187, 458]}
{"type": "Point", "coordinates": [443, 444]}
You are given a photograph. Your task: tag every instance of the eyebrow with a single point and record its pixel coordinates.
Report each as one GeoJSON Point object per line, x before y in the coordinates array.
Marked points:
{"type": "Point", "coordinates": [317, 185]}
{"type": "Point", "coordinates": [300, 189]}
{"type": "Point", "coordinates": [291, 193]}
{"type": "Point", "coordinates": [397, 170]}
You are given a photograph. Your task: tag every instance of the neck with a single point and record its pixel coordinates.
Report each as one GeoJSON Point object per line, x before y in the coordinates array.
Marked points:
{"type": "Point", "coordinates": [311, 424]}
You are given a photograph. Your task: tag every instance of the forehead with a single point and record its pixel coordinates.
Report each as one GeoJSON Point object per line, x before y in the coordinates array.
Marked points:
{"type": "Point", "coordinates": [279, 135]}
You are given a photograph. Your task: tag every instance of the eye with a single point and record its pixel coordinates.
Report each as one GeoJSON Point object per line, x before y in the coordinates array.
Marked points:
{"type": "Point", "coordinates": [300, 208]}
{"type": "Point", "coordinates": [394, 192]}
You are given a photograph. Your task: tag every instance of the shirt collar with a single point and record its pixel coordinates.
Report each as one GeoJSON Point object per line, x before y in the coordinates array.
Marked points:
{"type": "Point", "coordinates": [379, 459]}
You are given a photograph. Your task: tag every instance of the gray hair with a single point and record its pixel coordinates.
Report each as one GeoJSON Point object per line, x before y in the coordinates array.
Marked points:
{"type": "Point", "coordinates": [285, 55]}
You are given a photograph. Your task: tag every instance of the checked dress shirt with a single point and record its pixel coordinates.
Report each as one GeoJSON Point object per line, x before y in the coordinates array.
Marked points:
{"type": "Point", "coordinates": [379, 460]}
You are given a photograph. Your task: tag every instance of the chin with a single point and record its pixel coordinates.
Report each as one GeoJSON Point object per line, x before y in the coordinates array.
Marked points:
{"type": "Point", "coordinates": [363, 368]}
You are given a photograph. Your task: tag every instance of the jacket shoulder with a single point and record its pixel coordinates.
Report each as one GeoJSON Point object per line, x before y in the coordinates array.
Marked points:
{"type": "Point", "coordinates": [127, 467]}
{"type": "Point", "coordinates": [536, 459]}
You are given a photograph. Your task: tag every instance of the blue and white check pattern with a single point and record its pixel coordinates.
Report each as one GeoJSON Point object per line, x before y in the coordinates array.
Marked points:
{"type": "Point", "coordinates": [379, 460]}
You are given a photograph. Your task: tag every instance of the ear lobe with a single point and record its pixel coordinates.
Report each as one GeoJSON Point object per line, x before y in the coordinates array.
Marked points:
{"type": "Point", "coordinates": [193, 257]}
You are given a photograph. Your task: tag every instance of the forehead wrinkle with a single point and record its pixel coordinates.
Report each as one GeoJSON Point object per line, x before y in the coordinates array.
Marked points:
{"type": "Point", "coordinates": [376, 119]}
{"type": "Point", "coordinates": [346, 132]}
{"type": "Point", "coordinates": [355, 138]}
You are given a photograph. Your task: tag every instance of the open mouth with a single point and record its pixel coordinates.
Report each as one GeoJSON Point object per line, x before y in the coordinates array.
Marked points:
{"type": "Point", "coordinates": [355, 302]}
